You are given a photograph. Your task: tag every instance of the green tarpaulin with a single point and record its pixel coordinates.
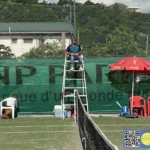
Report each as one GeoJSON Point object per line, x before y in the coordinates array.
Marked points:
{"type": "Point", "coordinates": [37, 84]}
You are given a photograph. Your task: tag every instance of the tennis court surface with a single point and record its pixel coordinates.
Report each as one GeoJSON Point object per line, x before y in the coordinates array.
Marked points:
{"type": "Point", "coordinates": [113, 128]}
{"type": "Point", "coordinates": [37, 133]}
{"type": "Point", "coordinates": [48, 133]}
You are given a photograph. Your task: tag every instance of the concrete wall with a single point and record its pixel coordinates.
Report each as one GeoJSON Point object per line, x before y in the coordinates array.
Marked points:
{"type": "Point", "coordinates": [22, 44]}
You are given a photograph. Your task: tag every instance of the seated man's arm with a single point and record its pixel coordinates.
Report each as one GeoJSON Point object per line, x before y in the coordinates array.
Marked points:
{"type": "Point", "coordinates": [80, 52]}
{"type": "Point", "coordinates": [67, 51]}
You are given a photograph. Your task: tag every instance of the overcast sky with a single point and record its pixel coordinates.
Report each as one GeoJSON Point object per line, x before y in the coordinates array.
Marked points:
{"type": "Point", "coordinates": [143, 4]}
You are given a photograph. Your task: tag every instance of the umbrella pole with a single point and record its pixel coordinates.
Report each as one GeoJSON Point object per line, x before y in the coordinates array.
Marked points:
{"type": "Point", "coordinates": [132, 93]}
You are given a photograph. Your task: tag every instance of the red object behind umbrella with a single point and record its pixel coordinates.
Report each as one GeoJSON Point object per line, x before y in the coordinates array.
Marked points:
{"type": "Point", "coordinates": [131, 63]}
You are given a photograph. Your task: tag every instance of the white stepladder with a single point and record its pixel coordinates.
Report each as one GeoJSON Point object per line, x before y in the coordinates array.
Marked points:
{"type": "Point", "coordinates": [73, 80]}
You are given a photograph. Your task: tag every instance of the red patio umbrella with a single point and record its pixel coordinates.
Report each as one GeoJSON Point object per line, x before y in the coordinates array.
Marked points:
{"type": "Point", "coordinates": [132, 64]}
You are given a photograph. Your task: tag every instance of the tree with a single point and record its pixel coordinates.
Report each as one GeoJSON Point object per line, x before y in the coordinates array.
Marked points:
{"type": "Point", "coordinates": [65, 2]}
{"type": "Point", "coordinates": [24, 1]}
{"type": "Point", "coordinates": [33, 13]}
{"type": "Point", "coordinates": [45, 50]}
{"type": "Point", "coordinates": [122, 41]}
{"type": "Point", "coordinates": [88, 2]}
{"type": "Point", "coordinates": [5, 52]}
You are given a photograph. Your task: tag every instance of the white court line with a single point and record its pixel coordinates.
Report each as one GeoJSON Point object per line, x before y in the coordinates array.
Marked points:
{"type": "Point", "coordinates": [40, 126]}
{"type": "Point", "coordinates": [35, 140]}
{"type": "Point", "coordinates": [112, 130]}
{"type": "Point", "coordinates": [105, 125]}
{"type": "Point", "coordinates": [27, 141]}
{"type": "Point", "coordinates": [38, 132]}
{"type": "Point", "coordinates": [100, 125]}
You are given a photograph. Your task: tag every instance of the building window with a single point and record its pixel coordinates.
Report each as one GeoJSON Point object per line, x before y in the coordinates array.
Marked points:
{"type": "Point", "coordinates": [14, 40]}
{"type": "Point", "coordinates": [28, 40]}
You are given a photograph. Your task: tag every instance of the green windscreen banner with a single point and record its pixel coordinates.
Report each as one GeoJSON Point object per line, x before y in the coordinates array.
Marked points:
{"type": "Point", "coordinates": [37, 84]}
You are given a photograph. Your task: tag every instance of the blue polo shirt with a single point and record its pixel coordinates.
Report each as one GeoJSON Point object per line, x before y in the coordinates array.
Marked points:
{"type": "Point", "coordinates": [74, 48]}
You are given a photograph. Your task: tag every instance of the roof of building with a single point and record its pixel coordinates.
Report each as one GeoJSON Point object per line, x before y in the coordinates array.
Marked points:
{"type": "Point", "coordinates": [136, 9]}
{"type": "Point", "coordinates": [36, 27]}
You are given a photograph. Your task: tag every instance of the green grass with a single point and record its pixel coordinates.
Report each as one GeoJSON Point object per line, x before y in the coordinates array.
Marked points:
{"type": "Point", "coordinates": [50, 133]}
{"type": "Point", "coordinates": [113, 127]}
{"type": "Point", "coordinates": [39, 134]}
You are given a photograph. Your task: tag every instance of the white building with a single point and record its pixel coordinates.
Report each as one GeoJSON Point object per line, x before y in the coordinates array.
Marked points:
{"type": "Point", "coordinates": [22, 36]}
{"type": "Point", "coordinates": [134, 9]}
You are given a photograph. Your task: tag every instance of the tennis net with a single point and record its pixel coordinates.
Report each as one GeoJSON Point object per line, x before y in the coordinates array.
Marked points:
{"type": "Point", "coordinates": [92, 137]}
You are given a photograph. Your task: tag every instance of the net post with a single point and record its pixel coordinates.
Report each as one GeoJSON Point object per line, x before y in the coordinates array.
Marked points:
{"type": "Point", "coordinates": [62, 105]}
{"type": "Point", "coordinates": [75, 105]}
{"type": "Point", "coordinates": [76, 108]}
{"type": "Point", "coordinates": [85, 146]}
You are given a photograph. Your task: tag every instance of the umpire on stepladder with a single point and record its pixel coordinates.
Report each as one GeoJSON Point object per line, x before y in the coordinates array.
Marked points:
{"type": "Point", "coordinates": [74, 51]}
